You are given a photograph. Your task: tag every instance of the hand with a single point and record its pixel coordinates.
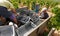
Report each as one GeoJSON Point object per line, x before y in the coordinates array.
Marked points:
{"type": "Point", "coordinates": [18, 14]}
{"type": "Point", "coordinates": [3, 19]}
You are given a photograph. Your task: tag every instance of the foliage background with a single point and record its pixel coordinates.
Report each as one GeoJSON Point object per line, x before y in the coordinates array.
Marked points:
{"type": "Point", "coordinates": [29, 3]}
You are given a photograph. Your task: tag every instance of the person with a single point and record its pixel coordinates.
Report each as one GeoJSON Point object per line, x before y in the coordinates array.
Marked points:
{"type": "Point", "coordinates": [37, 8]}
{"type": "Point", "coordinates": [8, 5]}
{"type": "Point", "coordinates": [5, 8]}
{"type": "Point", "coordinates": [5, 14]}
{"type": "Point", "coordinates": [44, 14]}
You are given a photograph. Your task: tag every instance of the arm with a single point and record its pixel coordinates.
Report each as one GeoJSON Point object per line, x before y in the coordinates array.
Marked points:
{"type": "Point", "coordinates": [13, 18]}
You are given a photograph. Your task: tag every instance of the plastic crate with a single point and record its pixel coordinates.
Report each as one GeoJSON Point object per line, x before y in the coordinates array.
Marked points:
{"type": "Point", "coordinates": [7, 31]}
{"type": "Point", "coordinates": [23, 29]}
